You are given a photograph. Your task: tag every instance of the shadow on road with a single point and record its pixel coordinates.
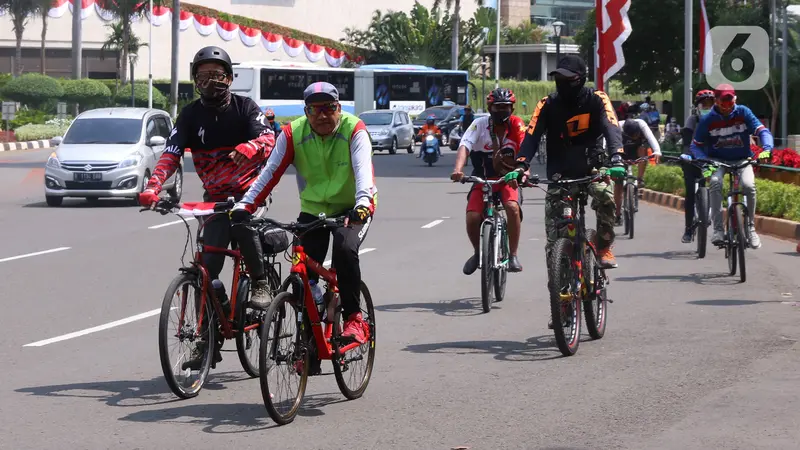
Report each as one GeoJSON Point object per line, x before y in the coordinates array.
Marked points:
{"type": "Point", "coordinates": [671, 255]}
{"type": "Point", "coordinates": [731, 302]}
{"type": "Point", "coordinates": [112, 393]}
{"type": "Point", "coordinates": [230, 418]}
{"type": "Point", "coordinates": [539, 348]}
{"type": "Point", "coordinates": [470, 306]}
{"type": "Point", "coordinates": [795, 254]}
{"type": "Point", "coordinates": [706, 279]}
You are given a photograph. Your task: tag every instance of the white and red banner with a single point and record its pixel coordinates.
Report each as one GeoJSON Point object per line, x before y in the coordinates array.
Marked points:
{"type": "Point", "coordinates": [706, 53]}
{"type": "Point", "coordinates": [612, 30]}
{"type": "Point", "coordinates": [206, 26]}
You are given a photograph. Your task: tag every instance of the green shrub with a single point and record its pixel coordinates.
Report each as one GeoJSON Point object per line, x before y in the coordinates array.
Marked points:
{"type": "Point", "coordinates": [86, 92]}
{"type": "Point", "coordinates": [774, 199]}
{"type": "Point", "coordinates": [34, 90]}
{"type": "Point", "coordinates": [123, 97]}
{"type": "Point", "coordinates": [38, 132]}
{"type": "Point", "coordinates": [29, 116]}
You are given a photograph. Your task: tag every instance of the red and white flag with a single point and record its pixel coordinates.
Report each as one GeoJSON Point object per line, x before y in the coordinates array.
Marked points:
{"type": "Point", "coordinates": [706, 52]}
{"type": "Point", "coordinates": [612, 29]}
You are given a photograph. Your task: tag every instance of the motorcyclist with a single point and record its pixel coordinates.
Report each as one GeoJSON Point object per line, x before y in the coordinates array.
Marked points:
{"type": "Point", "coordinates": [467, 118]}
{"type": "Point", "coordinates": [575, 118]}
{"type": "Point", "coordinates": [271, 118]}
{"type": "Point", "coordinates": [703, 102]}
{"type": "Point", "coordinates": [230, 143]}
{"type": "Point", "coordinates": [492, 142]}
{"type": "Point", "coordinates": [430, 126]}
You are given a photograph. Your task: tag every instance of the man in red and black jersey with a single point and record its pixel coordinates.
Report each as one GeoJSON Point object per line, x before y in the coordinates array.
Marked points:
{"type": "Point", "coordinates": [230, 142]}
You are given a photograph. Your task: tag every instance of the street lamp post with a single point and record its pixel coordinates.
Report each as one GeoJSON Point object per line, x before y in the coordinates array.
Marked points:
{"type": "Point", "coordinates": [558, 26]}
{"type": "Point", "coordinates": [133, 84]}
{"type": "Point", "coordinates": [150, 61]}
{"type": "Point", "coordinates": [497, 51]}
{"type": "Point", "coordinates": [483, 83]}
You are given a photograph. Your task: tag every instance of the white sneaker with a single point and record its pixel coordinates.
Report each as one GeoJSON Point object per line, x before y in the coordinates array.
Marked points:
{"type": "Point", "coordinates": [755, 241]}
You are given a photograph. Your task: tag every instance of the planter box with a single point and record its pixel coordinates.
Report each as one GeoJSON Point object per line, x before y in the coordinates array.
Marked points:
{"type": "Point", "coordinates": [782, 176]}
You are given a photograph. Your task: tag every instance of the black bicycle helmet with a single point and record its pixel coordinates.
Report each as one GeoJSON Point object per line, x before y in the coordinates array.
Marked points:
{"type": "Point", "coordinates": [631, 128]}
{"type": "Point", "coordinates": [212, 54]}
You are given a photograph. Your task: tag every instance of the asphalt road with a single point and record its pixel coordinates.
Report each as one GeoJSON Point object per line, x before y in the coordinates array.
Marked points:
{"type": "Point", "coordinates": [691, 358]}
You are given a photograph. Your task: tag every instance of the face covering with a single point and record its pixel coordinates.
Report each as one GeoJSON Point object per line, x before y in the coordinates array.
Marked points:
{"type": "Point", "coordinates": [569, 89]}
{"type": "Point", "coordinates": [214, 94]}
{"type": "Point", "coordinates": [703, 112]}
{"type": "Point", "coordinates": [500, 117]}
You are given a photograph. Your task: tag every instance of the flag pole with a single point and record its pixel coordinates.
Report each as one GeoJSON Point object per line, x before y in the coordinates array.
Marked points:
{"type": "Point", "coordinates": [599, 82]}
{"type": "Point", "coordinates": [687, 58]}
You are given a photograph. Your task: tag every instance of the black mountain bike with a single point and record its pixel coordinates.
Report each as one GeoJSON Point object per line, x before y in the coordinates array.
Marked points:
{"type": "Point", "coordinates": [630, 196]}
{"type": "Point", "coordinates": [574, 275]}
{"type": "Point", "coordinates": [701, 206]}
{"type": "Point", "coordinates": [737, 222]}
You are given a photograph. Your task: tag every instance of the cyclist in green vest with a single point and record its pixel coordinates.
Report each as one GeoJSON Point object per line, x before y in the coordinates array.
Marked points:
{"type": "Point", "coordinates": [332, 153]}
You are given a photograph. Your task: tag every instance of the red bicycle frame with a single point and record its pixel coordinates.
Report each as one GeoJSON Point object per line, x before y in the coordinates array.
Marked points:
{"type": "Point", "coordinates": [226, 322]}
{"type": "Point", "coordinates": [301, 262]}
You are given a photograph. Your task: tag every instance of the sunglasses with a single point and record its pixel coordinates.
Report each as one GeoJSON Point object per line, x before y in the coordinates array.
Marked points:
{"type": "Point", "coordinates": [214, 75]}
{"type": "Point", "coordinates": [315, 110]}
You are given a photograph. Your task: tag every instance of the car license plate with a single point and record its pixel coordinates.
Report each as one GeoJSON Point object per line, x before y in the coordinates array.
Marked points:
{"type": "Point", "coordinates": [84, 177]}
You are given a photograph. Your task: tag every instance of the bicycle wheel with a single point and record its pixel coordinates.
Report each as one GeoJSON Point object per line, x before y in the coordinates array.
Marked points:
{"type": "Point", "coordinates": [352, 364]}
{"type": "Point", "coordinates": [701, 221]}
{"type": "Point", "coordinates": [630, 201]}
{"type": "Point", "coordinates": [595, 305]}
{"type": "Point", "coordinates": [291, 356]}
{"type": "Point", "coordinates": [249, 321]}
{"type": "Point", "coordinates": [487, 266]}
{"type": "Point", "coordinates": [565, 307]}
{"type": "Point", "coordinates": [201, 338]}
{"type": "Point", "coordinates": [501, 275]}
{"type": "Point", "coordinates": [741, 242]}
{"type": "Point", "coordinates": [730, 245]}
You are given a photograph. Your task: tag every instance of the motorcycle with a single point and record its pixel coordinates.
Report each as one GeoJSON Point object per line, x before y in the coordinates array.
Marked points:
{"type": "Point", "coordinates": [430, 148]}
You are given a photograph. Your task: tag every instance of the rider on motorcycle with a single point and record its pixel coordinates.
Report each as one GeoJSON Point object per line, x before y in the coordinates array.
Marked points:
{"type": "Point", "coordinates": [636, 138]}
{"type": "Point", "coordinates": [492, 142]}
{"type": "Point", "coordinates": [271, 118]}
{"type": "Point", "coordinates": [575, 118]}
{"type": "Point", "coordinates": [332, 154]}
{"type": "Point", "coordinates": [467, 118]}
{"type": "Point", "coordinates": [230, 141]}
{"type": "Point", "coordinates": [430, 126]}
{"type": "Point", "coordinates": [724, 134]}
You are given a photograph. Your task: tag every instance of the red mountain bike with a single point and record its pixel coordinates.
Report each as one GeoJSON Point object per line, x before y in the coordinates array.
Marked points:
{"type": "Point", "coordinates": [296, 330]}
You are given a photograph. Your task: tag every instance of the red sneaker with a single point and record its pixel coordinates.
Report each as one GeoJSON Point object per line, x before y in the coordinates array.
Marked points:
{"type": "Point", "coordinates": [356, 328]}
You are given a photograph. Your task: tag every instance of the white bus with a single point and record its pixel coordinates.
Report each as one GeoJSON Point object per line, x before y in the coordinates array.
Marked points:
{"type": "Point", "coordinates": [279, 86]}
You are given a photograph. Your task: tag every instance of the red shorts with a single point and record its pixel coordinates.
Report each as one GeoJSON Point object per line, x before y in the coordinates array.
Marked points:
{"type": "Point", "coordinates": [475, 197]}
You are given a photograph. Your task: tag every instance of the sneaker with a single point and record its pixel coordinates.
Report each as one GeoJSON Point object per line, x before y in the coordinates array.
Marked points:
{"type": "Point", "coordinates": [471, 265]}
{"type": "Point", "coordinates": [195, 362]}
{"type": "Point", "coordinates": [607, 260]}
{"type": "Point", "coordinates": [261, 296]}
{"type": "Point", "coordinates": [513, 264]}
{"type": "Point", "coordinates": [687, 236]}
{"type": "Point", "coordinates": [717, 237]}
{"type": "Point", "coordinates": [755, 241]}
{"type": "Point", "coordinates": [356, 328]}
{"type": "Point", "coordinates": [618, 221]}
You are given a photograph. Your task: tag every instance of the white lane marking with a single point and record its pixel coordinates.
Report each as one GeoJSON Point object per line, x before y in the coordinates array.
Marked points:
{"type": "Point", "coordinates": [432, 224]}
{"type": "Point", "coordinates": [28, 255]}
{"type": "Point", "coordinates": [155, 227]}
{"type": "Point", "coordinates": [75, 334]}
{"type": "Point", "coordinates": [445, 217]}
{"type": "Point", "coordinates": [534, 239]}
{"type": "Point", "coordinates": [360, 252]}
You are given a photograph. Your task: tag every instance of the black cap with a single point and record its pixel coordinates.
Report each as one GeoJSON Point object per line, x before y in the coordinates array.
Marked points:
{"type": "Point", "coordinates": [570, 66]}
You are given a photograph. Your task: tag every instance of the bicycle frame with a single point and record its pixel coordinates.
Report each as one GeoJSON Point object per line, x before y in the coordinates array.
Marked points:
{"type": "Point", "coordinates": [490, 205]}
{"type": "Point", "coordinates": [736, 197]}
{"type": "Point", "coordinates": [301, 262]}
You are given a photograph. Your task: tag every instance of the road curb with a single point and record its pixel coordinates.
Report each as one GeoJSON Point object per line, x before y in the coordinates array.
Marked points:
{"type": "Point", "coordinates": [781, 228]}
{"type": "Point", "coordinates": [12, 146]}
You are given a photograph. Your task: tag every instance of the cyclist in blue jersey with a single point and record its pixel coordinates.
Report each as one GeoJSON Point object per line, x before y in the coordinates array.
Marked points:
{"type": "Point", "coordinates": [724, 134]}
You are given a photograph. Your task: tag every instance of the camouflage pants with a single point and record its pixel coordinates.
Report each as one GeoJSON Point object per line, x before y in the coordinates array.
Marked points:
{"type": "Point", "coordinates": [602, 195]}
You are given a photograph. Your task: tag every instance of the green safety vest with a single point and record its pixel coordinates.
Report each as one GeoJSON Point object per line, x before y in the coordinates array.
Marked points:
{"type": "Point", "coordinates": [326, 167]}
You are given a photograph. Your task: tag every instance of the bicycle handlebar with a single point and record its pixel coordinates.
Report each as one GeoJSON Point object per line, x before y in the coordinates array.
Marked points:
{"type": "Point", "coordinates": [566, 182]}
{"type": "Point", "coordinates": [296, 227]}
{"type": "Point", "coordinates": [472, 179]}
{"type": "Point", "coordinates": [638, 160]}
{"type": "Point", "coordinates": [699, 161]}
{"type": "Point", "coordinates": [165, 207]}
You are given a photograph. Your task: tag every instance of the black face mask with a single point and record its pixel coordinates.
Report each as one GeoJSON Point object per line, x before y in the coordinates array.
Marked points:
{"type": "Point", "coordinates": [214, 94]}
{"type": "Point", "coordinates": [500, 117]}
{"type": "Point", "coordinates": [569, 89]}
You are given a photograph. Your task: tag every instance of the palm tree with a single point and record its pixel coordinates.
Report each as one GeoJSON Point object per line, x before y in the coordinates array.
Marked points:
{"type": "Point", "coordinates": [43, 7]}
{"type": "Point", "coordinates": [126, 11]}
{"type": "Point", "coordinates": [19, 10]}
{"type": "Point", "coordinates": [115, 42]}
{"type": "Point", "coordinates": [456, 27]}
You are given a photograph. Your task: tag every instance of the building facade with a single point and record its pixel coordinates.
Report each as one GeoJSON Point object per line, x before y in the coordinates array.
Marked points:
{"type": "Point", "coordinates": [326, 19]}
{"type": "Point", "coordinates": [572, 12]}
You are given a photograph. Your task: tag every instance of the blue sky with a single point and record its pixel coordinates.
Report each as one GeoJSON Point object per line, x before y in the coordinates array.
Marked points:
{"type": "Point", "coordinates": [490, 3]}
